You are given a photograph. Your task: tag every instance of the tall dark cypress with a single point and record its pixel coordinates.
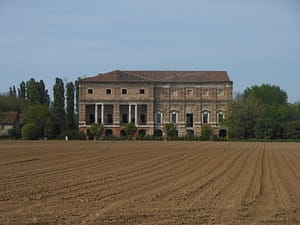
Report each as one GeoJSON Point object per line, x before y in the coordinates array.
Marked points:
{"type": "Point", "coordinates": [58, 107]}
{"type": "Point", "coordinates": [22, 90]}
{"type": "Point", "coordinates": [33, 93]}
{"type": "Point", "coordinates": [70, 105]}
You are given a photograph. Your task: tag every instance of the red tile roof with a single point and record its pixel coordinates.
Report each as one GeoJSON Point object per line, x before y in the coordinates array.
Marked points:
{"type": "Point", "coordinates": [161, 76]}
{"type": "Point", "coordinates": [8, 117]}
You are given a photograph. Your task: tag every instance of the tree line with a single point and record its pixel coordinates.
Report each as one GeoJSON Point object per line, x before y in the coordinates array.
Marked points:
{"type": "Point", "coordinates": [44, 118]}
{"type": "Point", "coordinates": [260, 112]}
{"type": "Point", "coordinates": [263, 112]}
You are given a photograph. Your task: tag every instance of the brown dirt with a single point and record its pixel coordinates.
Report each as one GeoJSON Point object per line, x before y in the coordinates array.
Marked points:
{"type": "Point", "coordinates": [149, 183]}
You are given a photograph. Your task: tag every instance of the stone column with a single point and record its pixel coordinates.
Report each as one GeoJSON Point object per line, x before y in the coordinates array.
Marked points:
{"type": "Point", "coordinates": [129, 116]}
{"type": "Point", "coordinates": [102, 113]}
{"type": "Point", "coordinates": [96, 113]}
{"type": "Point", "coordinates": [136, 114]}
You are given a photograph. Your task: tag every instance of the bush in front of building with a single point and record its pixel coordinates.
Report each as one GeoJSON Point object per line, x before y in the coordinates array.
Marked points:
{"type": "Point", "coordinates": [73, 135]}
{"type": "Point", "coordinates": [14, 133]}
{"type": "Point", "coordinates": [206, 133]}
{"type": "Point", "coordinates": [30, 131]}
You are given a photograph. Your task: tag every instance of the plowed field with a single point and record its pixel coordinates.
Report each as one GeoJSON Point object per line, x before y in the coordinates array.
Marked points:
{"type": "Point", "coordinates": [149, 183]}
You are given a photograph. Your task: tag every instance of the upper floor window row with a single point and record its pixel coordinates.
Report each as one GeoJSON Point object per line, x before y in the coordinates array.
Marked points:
{"type": "Point", "coordinates": [109, 91]}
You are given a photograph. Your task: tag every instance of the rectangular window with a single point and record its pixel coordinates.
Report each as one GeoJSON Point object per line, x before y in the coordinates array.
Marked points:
{"type": "Point", "coordinates": [189, 120]}
{"type": "Point", "coordinates": [108, 91]}
{"type": "Point", "coordinates": [90, 91]}
{"type": "Point", "coordinates": [205, 92]}
{"type": "Point", "coordinates": [109, 118]}
{"type": "Point", "coordinates": [142, 91]}
{"type": "Point", "coordinates": [205, 118]}
{"type": "Point", "coordinates": [173, 117]}
{"type": "Point", "coordinates": [92, 118]}
{"type": "Point", "coordinates": [143, 119]}
{"type": "Point", "coordinates": [220, 117]}
{"type": "Point", "coordinates": [124, 91]}
{"type": "Point", "coordinates": [158, 117]}
{"type": "Point", "coordinates": [124, 118]}
{"type": "Point", "coordinates": [221, 92]}
{"type": "Point", "coordinates": [189, 92]}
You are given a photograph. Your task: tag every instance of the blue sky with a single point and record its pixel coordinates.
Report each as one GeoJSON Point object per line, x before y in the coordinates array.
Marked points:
{"type": "Point", "coordinates": [255, 41]}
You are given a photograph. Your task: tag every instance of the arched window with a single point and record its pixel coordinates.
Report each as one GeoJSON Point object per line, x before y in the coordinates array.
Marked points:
{"type": "Point", "coordinates": [158, 117]}
{"type": "Point", "coordinates": [142, 133]}
{"type": "Point", "coordinates": [174, 117]}
{"type": "Point", "coordinates": [220, 116]}
{"type": "Point", "coordinates": [158, 133]}
{"type": "Point", "coordinates": [123, 133]}
{"type": "Point", "coordinates": [108, 133]}
{"type": "Point", "coordinates": [205, 117]}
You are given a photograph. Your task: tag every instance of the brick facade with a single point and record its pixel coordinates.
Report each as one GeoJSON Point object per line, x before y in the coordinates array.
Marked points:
{"type": "Point", "coordinates": [150, 99]}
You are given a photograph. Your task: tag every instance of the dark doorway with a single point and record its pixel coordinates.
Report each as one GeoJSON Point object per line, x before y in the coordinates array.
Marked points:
{"type": "Point", "coordinates": [190, 133]}
{"type": "Point", "coordinates": [222, 133]}
{"type": "Point", "coordinates": [158, 133]}
{"type": "Point", "coordinates": [108, 133]}
{"type": "Point", "coordinates": [142, 133]}
{"type": "Point", "coordinates": [123, 133]}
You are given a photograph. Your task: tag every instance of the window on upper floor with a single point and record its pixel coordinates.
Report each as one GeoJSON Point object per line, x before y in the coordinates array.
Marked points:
{"type": "Point", "coordinates": [90, 91]}
{"type": "Point", "coordinates": [174, 92]}
{"type": "Point", "coordinates": [124, 91]}
{"type": "Point", "coordinates": [142, 91]}
{"type": "Point", "coordinates": [205, 92]}
{"type": "Point", "coordinates": [108, 91]}
{"type": "Point", "coordinates": [189, 92]}
{"type": "Point", "coordinates": [221, 92]}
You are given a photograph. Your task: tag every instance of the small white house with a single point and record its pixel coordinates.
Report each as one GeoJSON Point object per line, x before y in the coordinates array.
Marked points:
{"type": "Point", "coordinates": [9, 120]}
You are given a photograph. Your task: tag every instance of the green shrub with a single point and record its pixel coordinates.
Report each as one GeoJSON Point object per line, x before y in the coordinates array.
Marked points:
{"type": "Point", "coordinates": [14, 133]}
{"type": "Point", "coordinates": [73, 135]}
{"type": "Point", "coordinates": [30, 131]}
{"type": "Point", "coordinates": [206, 133]}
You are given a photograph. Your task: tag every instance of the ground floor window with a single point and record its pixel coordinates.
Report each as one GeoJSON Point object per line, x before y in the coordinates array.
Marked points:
{"type": "Point", "coordinates": [158, 133]}
{"type": "Point", "coordinates": [205, 117]}
{"type": "Point", "coordinates": [158, 117]}
{"type": "Point", "coordinates": [189, 120]}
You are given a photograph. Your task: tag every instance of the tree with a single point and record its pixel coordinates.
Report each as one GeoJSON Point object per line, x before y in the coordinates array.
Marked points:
{"type": "Point", "coordinates": [12, 103]}
{"type": "Point", "coordinates": [30, 132]}
{"type": "Point", "coordinates": [130, 130]}
{"type": "Point", "coordinates": [206, 132]}
{"type": "Point", "coordinates": [77, 94]}
{"type": "Point", "coordinates": [22, 90]}
{"type": "Point", "coordinates": [267, 94]}
{"type": "Point", "coordinates": [293, 129]}
{"type": "Point", "coordinates": [33, 94]}
{"type": "Point", "coordinates": [43, 93]}
{"type": "Point", "coordinates": [70, 106]}
{"type": "Point", "coordinates": [58, 107]}
{"type": "Point", "coordinates": [171, 130]}
{"type": "Point", "coordinates": [37, 114]}
{"type": "Point", "coordinates": [12, 91]}
{"type": "Point", "coordinates": [242, 116]}
{"type": "Point", "coordinates": [96, 130]}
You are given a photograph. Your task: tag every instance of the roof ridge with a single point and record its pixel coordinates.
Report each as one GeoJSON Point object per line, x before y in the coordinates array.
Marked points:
{"type": "Point", "coordinates": [135, 75]}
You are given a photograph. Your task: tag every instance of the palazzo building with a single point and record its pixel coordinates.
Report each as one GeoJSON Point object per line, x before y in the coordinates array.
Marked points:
{"type": "Point", "coordinates": [150, 99]}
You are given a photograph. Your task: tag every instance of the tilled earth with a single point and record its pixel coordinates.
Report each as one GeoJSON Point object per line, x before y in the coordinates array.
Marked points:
{"type": "Point", "coordinates": [149, 183]}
